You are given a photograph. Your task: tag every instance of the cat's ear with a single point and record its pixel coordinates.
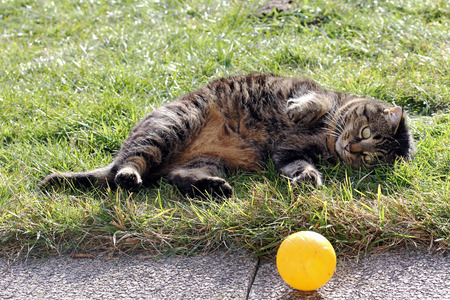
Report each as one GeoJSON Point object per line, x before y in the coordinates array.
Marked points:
{"type": "Point", "coordinates": [395, 115]}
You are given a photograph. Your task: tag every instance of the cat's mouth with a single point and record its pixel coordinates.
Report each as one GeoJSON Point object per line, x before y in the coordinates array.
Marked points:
{"type": "Point", "coordinates": [337, 147]}
{"type": "Point", "coordinates": [341, 149]}
{"type": "Point", "coordinates": [342, 153]}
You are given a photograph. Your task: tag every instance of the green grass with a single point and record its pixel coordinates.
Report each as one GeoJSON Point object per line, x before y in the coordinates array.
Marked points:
{"type": "Point", "coordinates": [76, 77]}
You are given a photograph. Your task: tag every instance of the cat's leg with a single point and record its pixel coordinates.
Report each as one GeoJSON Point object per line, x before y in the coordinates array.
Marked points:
{"type": "Point", "coordinates": [140, 157]}
{"type": "Point", "coordinates": [298, 166]}
{"type": "Point", "coordinates": [151, 142]}
{"type": "Point", "coordinates": [201, 175]}
{"type": "Point", "coordinates": [307, 108]}
{"type": "Point", "coordinates": [101, 177]}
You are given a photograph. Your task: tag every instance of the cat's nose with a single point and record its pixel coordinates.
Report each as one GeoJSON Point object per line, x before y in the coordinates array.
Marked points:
{"type": "Point", "coordinates": [353, 148]}
{"type": "Point", "coordinates": [347, 148]}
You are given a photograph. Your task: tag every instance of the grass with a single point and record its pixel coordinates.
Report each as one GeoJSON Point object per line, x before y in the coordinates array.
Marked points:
{"type": "Point", "coordinates": [76, 76]}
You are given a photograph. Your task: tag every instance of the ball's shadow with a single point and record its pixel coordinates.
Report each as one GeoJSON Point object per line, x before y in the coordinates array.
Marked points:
{"type": "Point", "coordinates": [298, 295]}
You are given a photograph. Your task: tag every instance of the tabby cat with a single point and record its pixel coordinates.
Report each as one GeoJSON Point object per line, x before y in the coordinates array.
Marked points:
{"type": "Point", "coordinates": [239, 123]}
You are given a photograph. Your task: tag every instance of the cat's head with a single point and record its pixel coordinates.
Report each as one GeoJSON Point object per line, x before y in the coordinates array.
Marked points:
{"type": "Point", "coordinates": [369, 132]}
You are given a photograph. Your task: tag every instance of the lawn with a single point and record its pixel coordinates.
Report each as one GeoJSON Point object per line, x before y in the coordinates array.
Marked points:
{"type": "Point", "coordinates": [76, 76]}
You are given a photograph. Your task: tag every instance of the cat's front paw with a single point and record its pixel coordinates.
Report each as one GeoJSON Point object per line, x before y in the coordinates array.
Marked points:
{"type": "Point", "coordinates": [309, 175]}
{"type": "Point", "coordinates": [128, 178]}
{"type": "Point", "coordinates": [302, 113]}
{"type": "Point", "coordinates": [307, 108]}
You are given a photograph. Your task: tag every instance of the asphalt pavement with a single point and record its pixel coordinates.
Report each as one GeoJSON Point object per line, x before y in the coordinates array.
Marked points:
{"type": "Point", "coordinates": [221, 275]}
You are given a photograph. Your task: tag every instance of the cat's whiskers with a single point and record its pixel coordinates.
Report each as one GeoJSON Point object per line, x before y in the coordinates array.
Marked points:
{"type": "Point", "coordinates": [333, 129]}
{"type": "Point", "coordinates": [334, 123]}
{"type": "Point", "coordinates": [331, 132]}
{"type": "Point", "coordinates": [339, 124]}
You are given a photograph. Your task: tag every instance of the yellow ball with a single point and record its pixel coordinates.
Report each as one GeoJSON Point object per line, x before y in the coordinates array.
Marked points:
{"type": "Point", "coordinates": [306, 260]}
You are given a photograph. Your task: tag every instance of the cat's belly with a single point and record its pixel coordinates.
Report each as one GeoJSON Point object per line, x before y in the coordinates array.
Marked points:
{"type": "Point", "coordinates": [217, 140]}
{"type": "Point", "coordinates": [235, 148]}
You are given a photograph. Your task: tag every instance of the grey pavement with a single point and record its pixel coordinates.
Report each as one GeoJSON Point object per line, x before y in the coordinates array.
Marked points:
{"type": "Point", "coordinates": [221, 275]}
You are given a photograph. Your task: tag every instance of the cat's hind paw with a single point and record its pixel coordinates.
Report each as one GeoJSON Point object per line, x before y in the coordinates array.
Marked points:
{"type": "Point", "coordinates": [193, 185]}
{"type": "Point", "coordinates": [128, 178]}
{"type": "Point", "coordinates": [213, 186]}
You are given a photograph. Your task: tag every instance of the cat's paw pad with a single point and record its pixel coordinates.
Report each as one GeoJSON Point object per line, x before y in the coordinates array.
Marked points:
{"type": "Point", "coordinates": [309, 175]}
{"type": "Point", "coordinates": [213, 185]}
{"type": "Point", "coordinates": [128, 179]}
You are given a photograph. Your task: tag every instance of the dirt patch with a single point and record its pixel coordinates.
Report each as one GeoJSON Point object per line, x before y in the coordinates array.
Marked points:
{"type": "Point", "coordinates": [275, 5]}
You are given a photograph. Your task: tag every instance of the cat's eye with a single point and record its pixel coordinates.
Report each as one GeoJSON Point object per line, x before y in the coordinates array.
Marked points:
{"type": "Point", "coordinates": [368, 159]}
{"type": "Point", "coordinates": [365, 133]}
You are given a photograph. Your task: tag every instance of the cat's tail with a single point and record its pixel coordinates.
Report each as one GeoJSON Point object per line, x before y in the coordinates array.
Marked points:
{"type": "Point", "coordinates": [102, 177]}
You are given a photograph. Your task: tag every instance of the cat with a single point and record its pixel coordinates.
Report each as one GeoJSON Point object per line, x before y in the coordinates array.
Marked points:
{"type": "Point", "coordinates": [239, 123]}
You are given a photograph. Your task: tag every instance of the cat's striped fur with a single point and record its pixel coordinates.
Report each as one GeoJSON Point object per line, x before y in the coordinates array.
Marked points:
{"type": "Point", "coordinates": [238, 123]}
